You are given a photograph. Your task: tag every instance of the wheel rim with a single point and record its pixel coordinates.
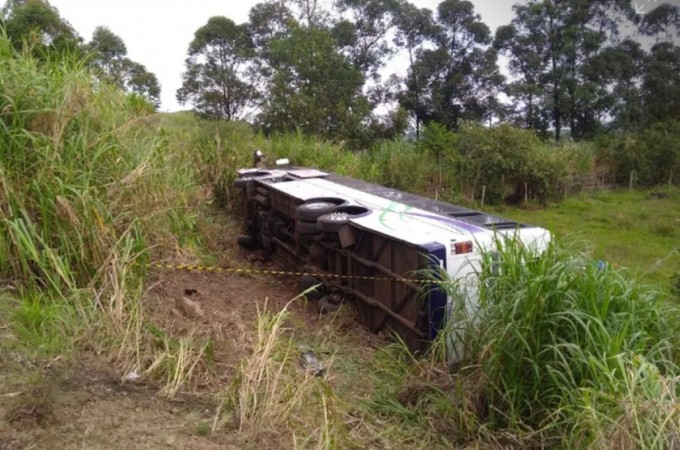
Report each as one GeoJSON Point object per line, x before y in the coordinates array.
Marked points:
{"type": "Point", "coordinates": [318, 205]}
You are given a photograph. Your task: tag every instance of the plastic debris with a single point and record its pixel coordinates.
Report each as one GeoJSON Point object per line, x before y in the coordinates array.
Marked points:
{"type": "Point", "coordinates": [132, 376]}
{"type": "Point", "coordinates": [310, 363]}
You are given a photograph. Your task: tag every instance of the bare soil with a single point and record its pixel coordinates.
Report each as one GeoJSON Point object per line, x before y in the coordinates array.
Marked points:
{"type": "Point", "coordinates": [87, 405]}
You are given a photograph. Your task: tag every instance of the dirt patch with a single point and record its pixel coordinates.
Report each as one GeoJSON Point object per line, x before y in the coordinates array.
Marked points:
{"type": "Point", "coordinates": [229, 305]}
{"type": "Point", "coordinates": [86, 408]}
{"type": "Point", "coordinates": [90, 407]}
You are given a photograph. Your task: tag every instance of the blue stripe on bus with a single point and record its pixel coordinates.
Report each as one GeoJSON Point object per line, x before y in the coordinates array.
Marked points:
{"type": "Point", "coordinates": [436, 297]}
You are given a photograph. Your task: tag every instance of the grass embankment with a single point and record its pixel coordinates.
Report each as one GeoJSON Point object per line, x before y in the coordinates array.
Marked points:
{"type": "Point", "coordinates": [88, 193]}
{"type": "Point", "coordinates": [92, 187]}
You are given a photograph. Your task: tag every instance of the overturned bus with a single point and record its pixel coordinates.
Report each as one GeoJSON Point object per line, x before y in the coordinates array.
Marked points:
{"type": "Point", "coordinates": [371, 244]}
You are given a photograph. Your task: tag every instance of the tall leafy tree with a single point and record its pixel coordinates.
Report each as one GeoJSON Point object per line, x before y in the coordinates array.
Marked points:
{"type": "Point", "coordinates": [615, 75]}
{"type": "Point", "coordinates": [310, 13]}
{"type": "Point", "coordinates": [313, 87]}
{"type": "Point", "coordinates": [415, 27]}
{"type": "Point", "coordinates": [109, 58]}
{"type": "Point", "coordinates": [524, 40]}
{"type": "Point", "coordinates": [663, 22]}
{"type": "Point", "coordinates": [661, 84]}
{"type": "Point", "coordinates": [362, 34]}
{"type": "Point", "coordinates": [267, 22]}
{"type": "Point", "coordinates": [108, 55]}
{"type": "Point", "coordinates": [459, 78]}
{"type": "Point", "coordinates": [38, 24]}
{"type": "Point", "coordinates": [661, 81]}
{"type": "Point", "coordinates": [551, 45]}
{"type": "Point", "coordinates": [310, 81]}
{"type": "Point", "coordinates": [142, 82]}
{"type": "Point", "coordinates": [589, 26]}
{"type": "Point", "coordinates": [215, 81]}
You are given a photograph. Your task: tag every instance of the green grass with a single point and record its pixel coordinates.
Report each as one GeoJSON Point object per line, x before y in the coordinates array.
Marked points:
{"type": "Point", "coordinates": [630, 228]}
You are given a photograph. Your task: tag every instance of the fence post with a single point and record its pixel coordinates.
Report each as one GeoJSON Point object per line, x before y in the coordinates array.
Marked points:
{"type": "Point", "coordinates": [526, 192]}
{"type": "Point", "coordinates": [630, 181]}
{"type": "Point", "coordinates": [483, 194]}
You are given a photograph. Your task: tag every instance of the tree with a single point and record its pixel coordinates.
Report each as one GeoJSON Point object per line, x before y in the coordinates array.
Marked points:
{"type": "Point", "coordinates": [551, 44]}
{"type": "Point", "coordinates": [216, 70]}
{"type": "Point", "coordinates": [414, 27]}
{"type": "Point", "coordinates": [589, 25]}
{"type": "Point", "coordinates": [313, 88]}
{"type": "Point", "coordinates": [268, 22]}
{"type": "Point", "coordinates": [38, 24]}
{"type": "Point", "coordinates": [142, 82]}
{"type": "Point", "coordinates": [458, 79]}
{"type": "Point", "coordinates": [661, 82]}
{"type": "Point", "coordinates": [660, 143]}
{"type": "Point", "coordinates": [662, 21]}
{"type": "Point", "coordinates": [527, 66]}
{"type": "Point", "coordinates": [363, 38]}
{"type": "Point", "coordinates": [616, 73]}
{"type": "Point", "coordinates": [108, 55]}
{"type": "Point", "coordinates": [109, 59]}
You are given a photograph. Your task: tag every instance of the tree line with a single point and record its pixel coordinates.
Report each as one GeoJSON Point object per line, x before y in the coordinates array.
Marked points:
{"type": "Point", "coordinates": [36, 26]}
{"type": "Point", "coordinates": [577, 66]}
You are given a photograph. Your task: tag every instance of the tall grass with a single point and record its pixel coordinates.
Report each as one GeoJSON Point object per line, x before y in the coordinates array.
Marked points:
{"type": "Point", "coordinates": [87, 189]}
{"type": "Point", "coordinates": [576, 348]}
{"type": "Point", "coordinates": [276, 399]}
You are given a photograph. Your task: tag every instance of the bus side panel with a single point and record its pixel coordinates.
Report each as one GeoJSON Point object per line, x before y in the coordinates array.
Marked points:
{"type": "Point", "coordinates": [385, 271]}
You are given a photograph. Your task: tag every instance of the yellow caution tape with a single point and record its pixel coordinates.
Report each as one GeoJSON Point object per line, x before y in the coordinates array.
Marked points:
{"type": "Point", "coordinates": [199, 268]}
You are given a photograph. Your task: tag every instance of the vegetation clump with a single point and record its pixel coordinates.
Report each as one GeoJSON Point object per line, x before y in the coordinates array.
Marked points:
{"type": "Point", "coordinates": [86, 193]}
{"type": "Point", "coordinates": [579, 350]}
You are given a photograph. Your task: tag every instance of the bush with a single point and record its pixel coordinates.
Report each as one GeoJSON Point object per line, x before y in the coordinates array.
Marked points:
{"type": "Point", "coordinates": [509, 161]}
{"type": "Point", "coordinates": [652, 155]}
{"type": "Point", "coordinates": [661, 142]}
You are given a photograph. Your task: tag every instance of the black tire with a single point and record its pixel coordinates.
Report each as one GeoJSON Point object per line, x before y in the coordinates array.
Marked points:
{"type": "Point", "coordinates": [312, 210]}
{"type": "Point", "coordinates": [307, 227]}
{"type": "Point", "coordinates": [329, 303]}
{"type": "Point", "coordinates": [308, 282]}
{"type": "Point", "coordinates": [333, 222]}
{"type": "Point", "coordinates": [316, 207]}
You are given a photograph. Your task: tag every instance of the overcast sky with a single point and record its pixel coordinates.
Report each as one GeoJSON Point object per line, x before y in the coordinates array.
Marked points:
{"type": "Point", "coordinates": [157, 33]}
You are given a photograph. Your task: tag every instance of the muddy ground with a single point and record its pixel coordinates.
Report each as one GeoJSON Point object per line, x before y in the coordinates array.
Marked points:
{"type": "Point", "coordinates": [87, 404]}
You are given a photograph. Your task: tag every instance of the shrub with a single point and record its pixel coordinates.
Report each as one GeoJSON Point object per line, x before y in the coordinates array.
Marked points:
{"type": "Point", "coordinates": [509, 161]}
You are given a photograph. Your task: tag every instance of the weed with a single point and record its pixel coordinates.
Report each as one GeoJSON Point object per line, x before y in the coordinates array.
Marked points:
{"type": "Point", "coordinates": [273, 391]}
